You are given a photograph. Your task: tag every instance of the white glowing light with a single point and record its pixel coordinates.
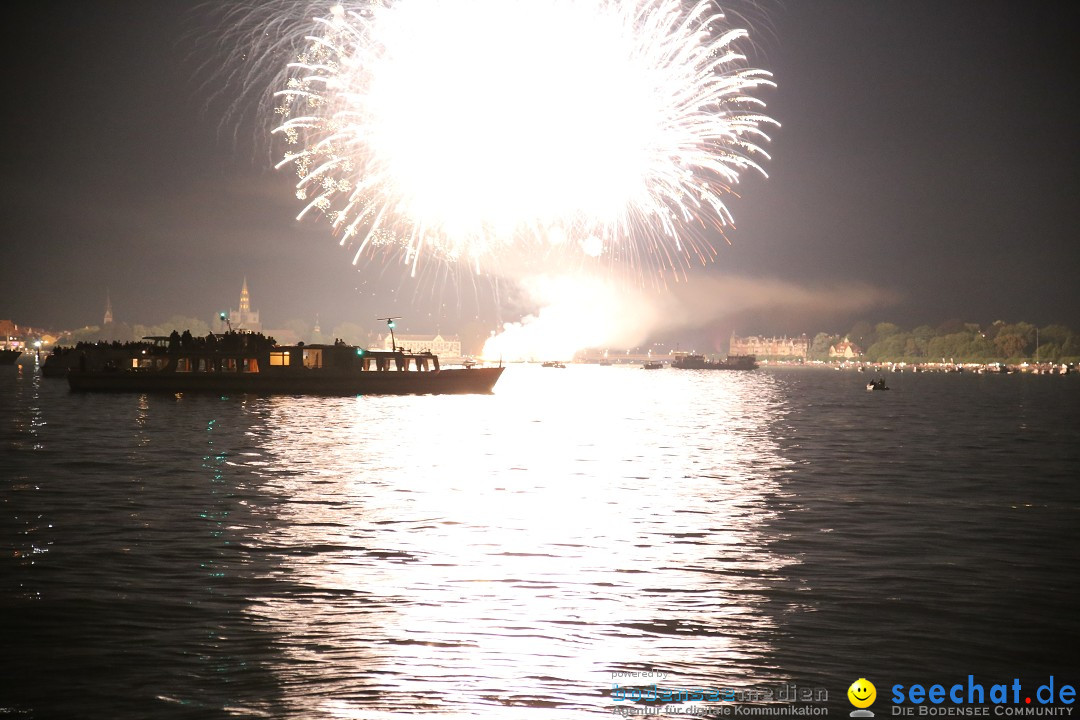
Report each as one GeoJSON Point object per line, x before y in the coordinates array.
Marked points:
{"type": "Point", "coordinates": [463, 128]}
{"type": "Point", "coordinates": [576, 311]}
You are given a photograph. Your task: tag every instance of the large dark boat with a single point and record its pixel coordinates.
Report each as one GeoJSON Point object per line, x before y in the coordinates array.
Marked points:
{"type": "Point", "coordinates": [8, 357]}
{"type": "Point", "coordinates": [238, 362]}
{"type": "Point", "coordinates": [689, 361]}
{"type": "Point", "coordinates": [55, 366]}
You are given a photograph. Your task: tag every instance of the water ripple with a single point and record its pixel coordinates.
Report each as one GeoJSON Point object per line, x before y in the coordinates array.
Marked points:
{"type": "Point", "coordinates": [505, 555]}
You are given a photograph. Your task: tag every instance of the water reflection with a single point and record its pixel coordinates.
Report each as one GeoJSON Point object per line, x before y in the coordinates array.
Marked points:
{"type": "Point", "coordinates": [21, 440]}
{"type": "Point", "coordinates": [502, 555]}
{"type": "Point", "coordinates": [492, 555]}
{"type": "Point", "coordinates": [25, 415]}
{"type": "Point", "coordinates": [126, 566]}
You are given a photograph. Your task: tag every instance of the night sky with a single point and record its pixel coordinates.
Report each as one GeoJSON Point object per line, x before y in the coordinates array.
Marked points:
{"type": "Point", "coordinates": [928, 149]}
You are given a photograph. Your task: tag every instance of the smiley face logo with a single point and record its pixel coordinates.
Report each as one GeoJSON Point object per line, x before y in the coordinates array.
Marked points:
{"type": "Point", "coordinates": [862, 693]}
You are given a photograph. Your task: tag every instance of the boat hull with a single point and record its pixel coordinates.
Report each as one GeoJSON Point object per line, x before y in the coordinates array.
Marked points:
{"type": "Point", "coordinates": [438, 382]}
{"type": "Point", "coordinates": [698, 362]}
{"type": "Point", "coordinates": [8, 357]}
{"type": "Point", "coordinates": [719, 365]}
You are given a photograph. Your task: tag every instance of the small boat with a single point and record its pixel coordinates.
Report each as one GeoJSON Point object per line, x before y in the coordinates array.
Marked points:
{"type": "Point", "coordinates": [242, 362]}
{"type": "Point", "coordinates": [652, 365]}
{"type": "Point", "coordinates": [878, 384]}
{"type": "Point", "coordinates": [8, 357]}
{"type": "Point", "coordinates": [605, 362]}
{"type": "Point", "coordinates": [553, 364]}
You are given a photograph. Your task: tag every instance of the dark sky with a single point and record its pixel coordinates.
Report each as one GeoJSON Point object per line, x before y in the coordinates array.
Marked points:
{"type": "Point", "coordinates": [928, 148]}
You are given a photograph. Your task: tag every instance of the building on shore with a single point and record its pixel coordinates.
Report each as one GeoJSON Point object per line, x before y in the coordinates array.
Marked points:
{"type": "Point", "coordinates": [24, 337]}
{"type": "Point", "coordinates": [845, 349]}
{"type": "Point", "coordinates": [243, 318]}
{"type": "Point", "coordinates": [10, 335]}
{"type": "Point", "coordinates": [777, 348]}
{"type": "Point", "coordinates": [448, 349]}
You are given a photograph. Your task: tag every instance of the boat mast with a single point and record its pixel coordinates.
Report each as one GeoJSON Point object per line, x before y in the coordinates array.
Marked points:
{"type": "Point", "coordinates": [390, 324]}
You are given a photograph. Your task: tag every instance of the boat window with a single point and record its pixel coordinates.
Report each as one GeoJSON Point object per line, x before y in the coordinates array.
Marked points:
{"type": "Point", "coordinates": [228, 364]}
{"type": "Point", "coordinates": [312, 358]}
{"type": "Point", "coordinates": [250, 365]}
{"type": "Point", "coordinates": [282, 358]}
{"type": "Point", "coordinates": [183, 365]}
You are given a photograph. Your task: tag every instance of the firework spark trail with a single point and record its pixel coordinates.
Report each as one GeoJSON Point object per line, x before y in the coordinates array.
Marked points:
{"type": "Point", "coordinates": [461, 130]}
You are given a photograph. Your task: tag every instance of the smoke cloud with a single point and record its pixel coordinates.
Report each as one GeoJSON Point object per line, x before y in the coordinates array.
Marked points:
{"type": "Point", "coordinates": [572, 311]}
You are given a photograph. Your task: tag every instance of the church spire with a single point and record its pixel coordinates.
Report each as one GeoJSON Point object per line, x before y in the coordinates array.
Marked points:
{"type": "Point", "coordinates": [108, 308]}
{"type": "Point", "coordinates": [245, 298]}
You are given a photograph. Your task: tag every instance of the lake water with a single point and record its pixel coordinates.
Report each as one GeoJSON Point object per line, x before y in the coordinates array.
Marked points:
{"type": "Point", "coordinates": [513, 555]}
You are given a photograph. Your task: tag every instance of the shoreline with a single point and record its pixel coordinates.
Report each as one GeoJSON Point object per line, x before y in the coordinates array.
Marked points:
{"type": "Point", "coordinates": [993, 368]}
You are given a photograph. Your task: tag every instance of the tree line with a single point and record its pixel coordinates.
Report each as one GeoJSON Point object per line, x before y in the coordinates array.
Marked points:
{"type": "Point", "coordinates": [956, 341]}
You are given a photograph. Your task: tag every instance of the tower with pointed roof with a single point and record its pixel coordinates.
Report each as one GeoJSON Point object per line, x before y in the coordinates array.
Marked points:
{"type": "Point", "coordinates": [244, 318]}
{"type": "Point", "coordinates": [245, 298]}
{"type": "Point", "coordinates": [108, 309]}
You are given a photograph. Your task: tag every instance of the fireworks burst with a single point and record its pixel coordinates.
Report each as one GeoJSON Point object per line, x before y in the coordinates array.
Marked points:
{"type": "Point", "coordinates": [602, 128]}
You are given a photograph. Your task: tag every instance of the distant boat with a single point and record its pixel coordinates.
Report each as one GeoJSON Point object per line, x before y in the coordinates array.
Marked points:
{"type": "Point", "coordinates": [689, 361]}
{"type": "Point", "coordinates": [652, 365]}
{"type": "Point", "coordinates": [8, 357]}
{"type": "Point", "coordinates": [553, 364]}
{"type": "Point", "coordinates": [605, 362]}
{"type": "Point", "coordinates": [878, 384]}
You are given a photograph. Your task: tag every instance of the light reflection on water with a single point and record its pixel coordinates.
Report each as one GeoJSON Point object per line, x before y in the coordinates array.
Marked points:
{"type": "Point", "coordinates": [502, 555]}
{"type": "Point", "coordinates": [486, 554]}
